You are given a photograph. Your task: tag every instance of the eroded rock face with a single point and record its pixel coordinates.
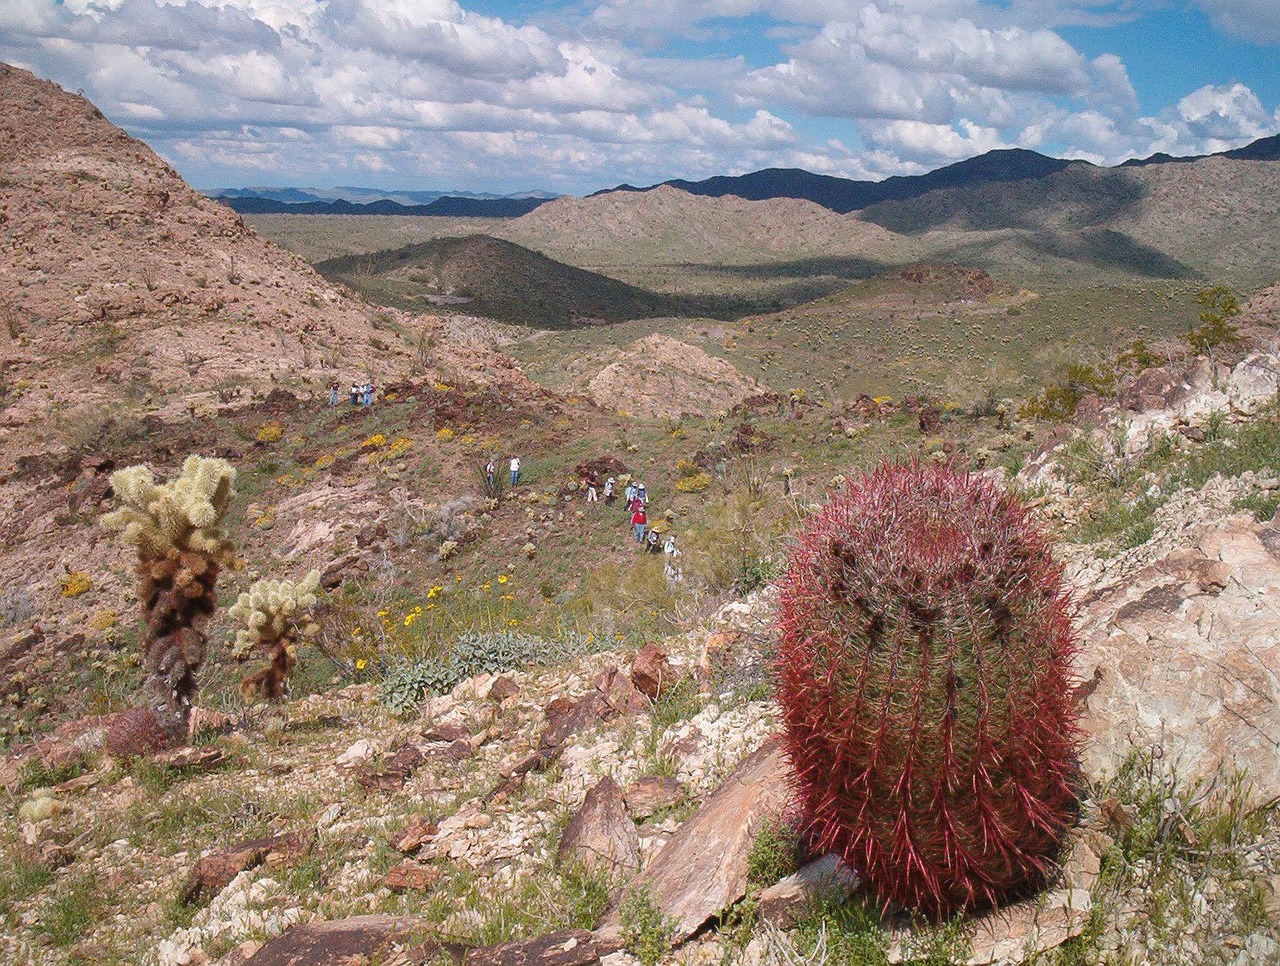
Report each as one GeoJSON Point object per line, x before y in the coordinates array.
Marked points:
{"type": "Point", "coordinates": [600, 834]}
{"type": "Point", "coordinates": [703, 868]}
{"type": "Point", "coordinates": [651, 672]}
{"type": "Point", "coordinates": [1184, 657]}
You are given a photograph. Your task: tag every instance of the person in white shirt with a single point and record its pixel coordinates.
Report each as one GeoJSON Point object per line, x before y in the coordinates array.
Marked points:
{"type": "Point", "coordinates": [515, 470]}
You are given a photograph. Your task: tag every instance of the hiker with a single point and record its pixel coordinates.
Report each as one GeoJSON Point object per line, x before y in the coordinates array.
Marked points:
{"type": "Point", "coordinates": [368, 394]}
{"type": "Point", "coordinates": [642, 494]}
{"type": "Point", "coordinates": [630, 494]}
{"type": "Point", "coordinates": [355, 394]}
{"type": "Point", "coordinates": [609, 495]}
{"type": "Point", "coordinates": [652, 545]}
{"type": "Point", "coordinates": [333, 393]}
{"type": "Point", "coordinates": [670, 567]}
{"type": "Point", "coordinates": [591, 488]}
{"type": "Point", "coordinates": [490, 472]}
{"type": "Point", "coordinates": [515, 470]}
{"type": "Point", "coordinates": [639, 521]}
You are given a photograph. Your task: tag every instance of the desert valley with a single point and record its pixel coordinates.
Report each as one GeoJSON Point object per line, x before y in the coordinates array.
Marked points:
{"type": "Point", "coordinates": [330, 682]}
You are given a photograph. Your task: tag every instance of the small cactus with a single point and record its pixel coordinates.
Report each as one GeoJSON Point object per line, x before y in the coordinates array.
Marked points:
{"type": "Point", "coordinates": [135, 733]}
{"type": "Point", "coordinates": [273, 617]}
{"type": "Point", "coordinates": [924, 679]}
{"type": "Point", "coordinates": [175, 528]}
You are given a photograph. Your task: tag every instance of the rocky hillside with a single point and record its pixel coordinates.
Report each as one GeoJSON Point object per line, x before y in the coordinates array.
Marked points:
{"type": "Point", "coordinates": [121, 288]}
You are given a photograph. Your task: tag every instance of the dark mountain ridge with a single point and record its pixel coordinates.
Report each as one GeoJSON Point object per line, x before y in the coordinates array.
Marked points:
{"type": "Point", "coordinates": [845, 195]}
{"type": "Point", "coordinates": [448, 206]}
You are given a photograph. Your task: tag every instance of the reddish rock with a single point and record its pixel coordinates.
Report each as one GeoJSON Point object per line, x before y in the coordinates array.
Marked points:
{"type": "Point", "coordinates": [650, 794]}
{"type": "Point", "coordinates": [446, 732]}
{"type": "Point", "coordinates": [568, 948]}
{"type": "Point", "coordinates": [567, 716]}
{"type": "Point", "coordinates": [1182, 657]}
{"type": "Point", "coordinates": [619, 693]}
{"type": "Point", "coordinates": [360, 941]}
{"type": "Point", "coordinates": [392, 776]}
{"type": "Point", "coordinates": [410, 876]}
{"type": "Point", "coordinates": [600, 835]}
{"type": "Point", "coordinates": [212, 873]}
{"type": "Point", "coordinates": [502, 689]}
{"type": "Point", "coordinates": [414, 836]}
{"type": "Point", "coordinates": [651, 672]}
{"type": "Point", "coordinates": [702, 870]}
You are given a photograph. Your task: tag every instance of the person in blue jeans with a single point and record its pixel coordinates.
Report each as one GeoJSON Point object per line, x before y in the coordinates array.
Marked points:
{"type": "Point", "coordinates": [515, 470]}
{"type": "Point", "coordinates": [640, 522]}
{"type": "Point", "coordinates": [333, 393]}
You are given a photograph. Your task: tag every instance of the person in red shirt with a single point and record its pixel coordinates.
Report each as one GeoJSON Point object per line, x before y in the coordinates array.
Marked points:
{"type": "Point", "coordinates": [639, 521]}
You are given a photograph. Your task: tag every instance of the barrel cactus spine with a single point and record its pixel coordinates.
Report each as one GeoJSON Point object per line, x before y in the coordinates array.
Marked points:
{"type": "Point", "coordinates": [924, 679]}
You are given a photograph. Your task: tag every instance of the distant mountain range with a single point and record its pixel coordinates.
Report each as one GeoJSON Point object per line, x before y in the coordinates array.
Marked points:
{"type": "Point", "coordinates": [448, 206]}
{"type": "Point", "coordinates": [842, 195]}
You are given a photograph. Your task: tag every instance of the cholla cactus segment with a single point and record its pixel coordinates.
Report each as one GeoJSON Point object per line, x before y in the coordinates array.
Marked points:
{"type": "Point", "coordinates": [174, 526]}
{"type": "Point", "coordinates": [272, 615]}
{"type": "Point", "coordinates": [181, 515]}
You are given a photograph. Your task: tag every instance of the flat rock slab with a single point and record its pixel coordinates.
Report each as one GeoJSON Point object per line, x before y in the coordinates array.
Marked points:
{"type": "Point", "coordinates": [600, 834]}
{"type": "Point", "coordinates": [359, 941]}
{"type": "Point", "coordinates": [213, 873]}
{"type": "Point", "coordinates": [568, 948]}
{"type": "Point", "coordinates": [702, 870]}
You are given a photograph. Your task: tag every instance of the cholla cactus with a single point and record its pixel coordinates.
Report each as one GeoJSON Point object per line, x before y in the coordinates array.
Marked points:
{"type": "Point", "coordinates": [175, 528]}
{"type": "Point", "coordinates": [273, 614]}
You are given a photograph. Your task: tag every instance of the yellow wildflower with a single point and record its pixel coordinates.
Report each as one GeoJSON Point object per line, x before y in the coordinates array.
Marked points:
{"type": "Point", "coordinates": [361, 664]}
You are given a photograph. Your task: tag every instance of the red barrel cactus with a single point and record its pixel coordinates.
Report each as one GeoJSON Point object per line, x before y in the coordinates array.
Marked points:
{"type": "Point", "coordinates": [924, 678]}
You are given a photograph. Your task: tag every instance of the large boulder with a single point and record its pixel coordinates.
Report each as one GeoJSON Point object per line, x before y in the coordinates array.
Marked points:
{"type": "Point", "coordinates": [1183, 658]}
{"type": "Point", "coordinates": [702, 870]}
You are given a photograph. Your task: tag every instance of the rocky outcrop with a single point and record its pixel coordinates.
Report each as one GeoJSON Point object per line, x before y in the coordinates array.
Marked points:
{"type": "Point", "coordinates": [661, 377]}
{"type": "Point", "coordinates": [1182, 659]}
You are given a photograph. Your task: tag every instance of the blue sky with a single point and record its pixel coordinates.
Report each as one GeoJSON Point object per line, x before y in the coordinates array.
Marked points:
{"type": "Point", "coordinates": [495, 95]}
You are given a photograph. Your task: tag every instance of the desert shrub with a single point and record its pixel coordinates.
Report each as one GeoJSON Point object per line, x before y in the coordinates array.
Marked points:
{"type": "Point", "coordinates": [923, 673]}
{"type": "Point", "coordinates": [696, 483]}
{"type": "Point", "coordinates": [269, 433]}
{"type": "Point", "coordinates": [735, 544]}
{"type": "Point", "coordinates": [74, 583]}
{"type": "Point", "coordinates": [646, 933]}
{"type": "Point", "coordinates": [175, 528]}
{"type": "Point", "coordinates": [1059, 400]}
{"type": "Point", "coordinates": [1218, 306]}
{"type": "Point", "coordinates": [407, 684]}
{"type": "Point", "coordinates": [274, 618]}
